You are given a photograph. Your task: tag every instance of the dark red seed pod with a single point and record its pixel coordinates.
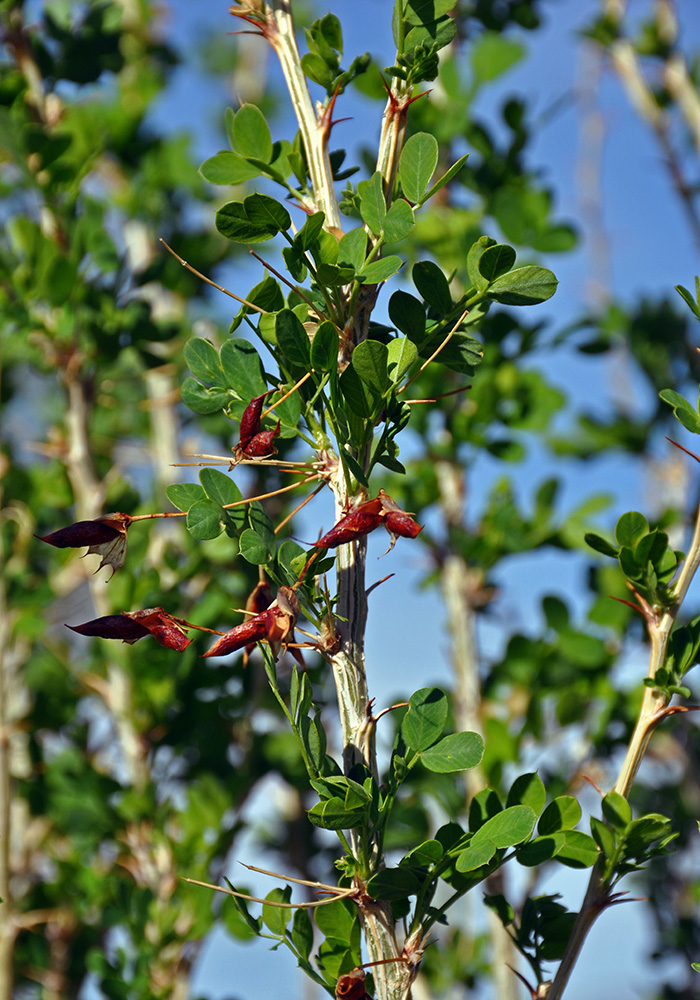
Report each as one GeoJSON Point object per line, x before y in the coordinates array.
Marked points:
{"type": "Point", "coordinates": [113, 627]}
{"type": "Point", "coordinates": [105, 536]}
{"type": "Point", "coordinates": [81, 533]}
{"type": "Point", "coordinates": [354, 525]}
{"type": "Point", "coordinates": [250, 421]}
{"type": "Point", "coordinates": [163, 627]}
{"type": "Point", "coordinates": [242, 635]}
{"type": "Point", "coordinates": [261, 445]}
{"type": "Point", "coordinates": [134, 625]}
{"type": "Point", "coordinates": [398, 522]}
{"type": "Point", "coordinates": [351, 986]}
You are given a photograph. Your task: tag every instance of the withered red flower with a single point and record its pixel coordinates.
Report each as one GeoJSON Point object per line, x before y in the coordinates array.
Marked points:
{"type": "Point", "coordinates": [275, 624]}
{"type": "Point", "coordinates": [105, 536]}
{"type": "Point", "coordinates": [250, 421]}
{"type": "Point", "coordinates": [262, 446]}
{"type": "Point", "coordinates": [355, 524]}
{"type": "Point", "coordinates": [366, 517]}
{"type": "Point", "coordinates": [253, 442]}
{"type": "Point", "coordinates": [134, 625]}
{"type": "Point", "coordinates": [352, 986]}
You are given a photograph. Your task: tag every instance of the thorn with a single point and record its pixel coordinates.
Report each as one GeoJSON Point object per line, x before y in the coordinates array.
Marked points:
{"type": "Point", "coordinates": [391, 708]}
{"type": "Point", "coordinates": [378, 583]}
{"type": "Point", "coordinates": [443, 395]}
{"type": "Point", "coordinates": [691, 453]}
{"type": "Point", "coordinates": [597, 787]}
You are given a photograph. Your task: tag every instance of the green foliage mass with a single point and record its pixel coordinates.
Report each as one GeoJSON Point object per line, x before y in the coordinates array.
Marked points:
{"type": "Point", "coordinates": [127, 772]}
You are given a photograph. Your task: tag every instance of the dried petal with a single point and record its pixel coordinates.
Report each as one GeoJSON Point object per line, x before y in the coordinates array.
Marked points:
{"type": "Point", "coordinates": [165, 629]}
{"type": "Point", "coordinates": [250, 421]}
{"type": "Point", "coordinates": [105, 536]}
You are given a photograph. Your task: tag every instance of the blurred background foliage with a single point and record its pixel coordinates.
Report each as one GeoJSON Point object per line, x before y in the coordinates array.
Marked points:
{"type": "Point", "coordinates": [123, 768]}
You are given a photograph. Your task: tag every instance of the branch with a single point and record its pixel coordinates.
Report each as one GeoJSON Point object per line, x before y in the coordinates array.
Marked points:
{"type": "Point", "coordinates": [653, 710]}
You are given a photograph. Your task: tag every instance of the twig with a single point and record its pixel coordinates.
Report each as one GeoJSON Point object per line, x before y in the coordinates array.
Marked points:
{"type": "Point", "coordinates": [435, 352]}
{"type": "Point", "coordinates": [193, 270]}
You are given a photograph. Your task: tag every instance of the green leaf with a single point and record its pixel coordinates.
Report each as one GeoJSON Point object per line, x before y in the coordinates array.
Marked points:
{"type": "Point", "coordinates": [226, 167]}
{"type": "Point", "coordinates": [475, 856]}
{"type": "Point", "coordinates": [417, 164]}
{"type": "Point", "coordinates": [600, 544]}
{"type": "Point", "coordinates": [352, 249]}
{"type": "Point", "coordinates": [527, 790]}
{"type": "Point", "coordinates": [183, 495]}
{"type": "Point", "coordinates": [232, 222]}
{"type": "Point", "coordinates": [380, 270]}
{"type": "Point", "coordinates": [361, 399]}
{"type": "Point", "coordinates": [237, 919]}
{"type": "Point", "coordinates": [630, 528]}
{"type": "Point", "coordinates": [578, 850]}
{"type": "Point", "coordinates": [684, 412]}
{"type": "Point", "coordinates": [253, 548]}
{"type": "Point", "coordinates": [369, 359]}
{"type": "Point", "coordinates": [507, 828]}
{"type": "Point", "coordinates": [292, 339]}
{"type": "Point", "coordinates": [204, 520]}
{"type": "Point", "coordinates": [457, 752]}
{"type": "Point", "coordinates": [267, 213]}
{"type": "Point", "coordinates": [203, 360]}
{"type": "Point", "coordinates": [407, 313]}
{"type": "Point", "coordinates": [432, 284]}
{"type": "Point", "coordinates": [337, 920]}
{"type": "Point", "coordinates": [309, 232]}
{"type": "Point", "coordinates": [401, 353]}
{"type": "Point", "coordinates": [446, 178]}
{"type": "Point", "coordinates": [219, 486]}
{"type": "Point", "coordinates": [473, 257]}
{"type": "Point", "coordinates": [59, 279]}
{"type": "Point", "coordinates": [316, 68]}
{"type": "Point", "coordinates": [427, 853]}
{"type": "Point", "coordinates": [302, 933]}
{"type": "Point", "coordinates": [276, 918]}
{"type": "Point", "coordinates": [324, 348]}
{"type": "Point", "coordinates": [202, 400]}
{"type": "Point", "coordinates": [687, 297]}
{"type": "Point", "coordinates": [495, 261]}
{"type": "Point", "coordinates": [333, 814]}
{"type": "Point", "coordinates": [617, 811]}
{"type": "Point", "coordinates": [493, 54]}
{"type": "Point", "coordinates": [372, 202]}
{"type": "Point", "coordinates": [251, 133]}
{"type": "Point", "coordinates": [603, 836]}
{"type": "Point", "coordinates": [398, 221]}
{"type": "Point", "coordinates": [425, 719]}
{"type": "Point", "coordinates": [462, 353]}
{"type": "Point", "coordinates": [242, 368]}
{"type": "Point", "coordinates": [561, 814]}
{"type": "Point", "coordinates": [393, 883]}
{"type": "Point", "coordinates": [525, 286]}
